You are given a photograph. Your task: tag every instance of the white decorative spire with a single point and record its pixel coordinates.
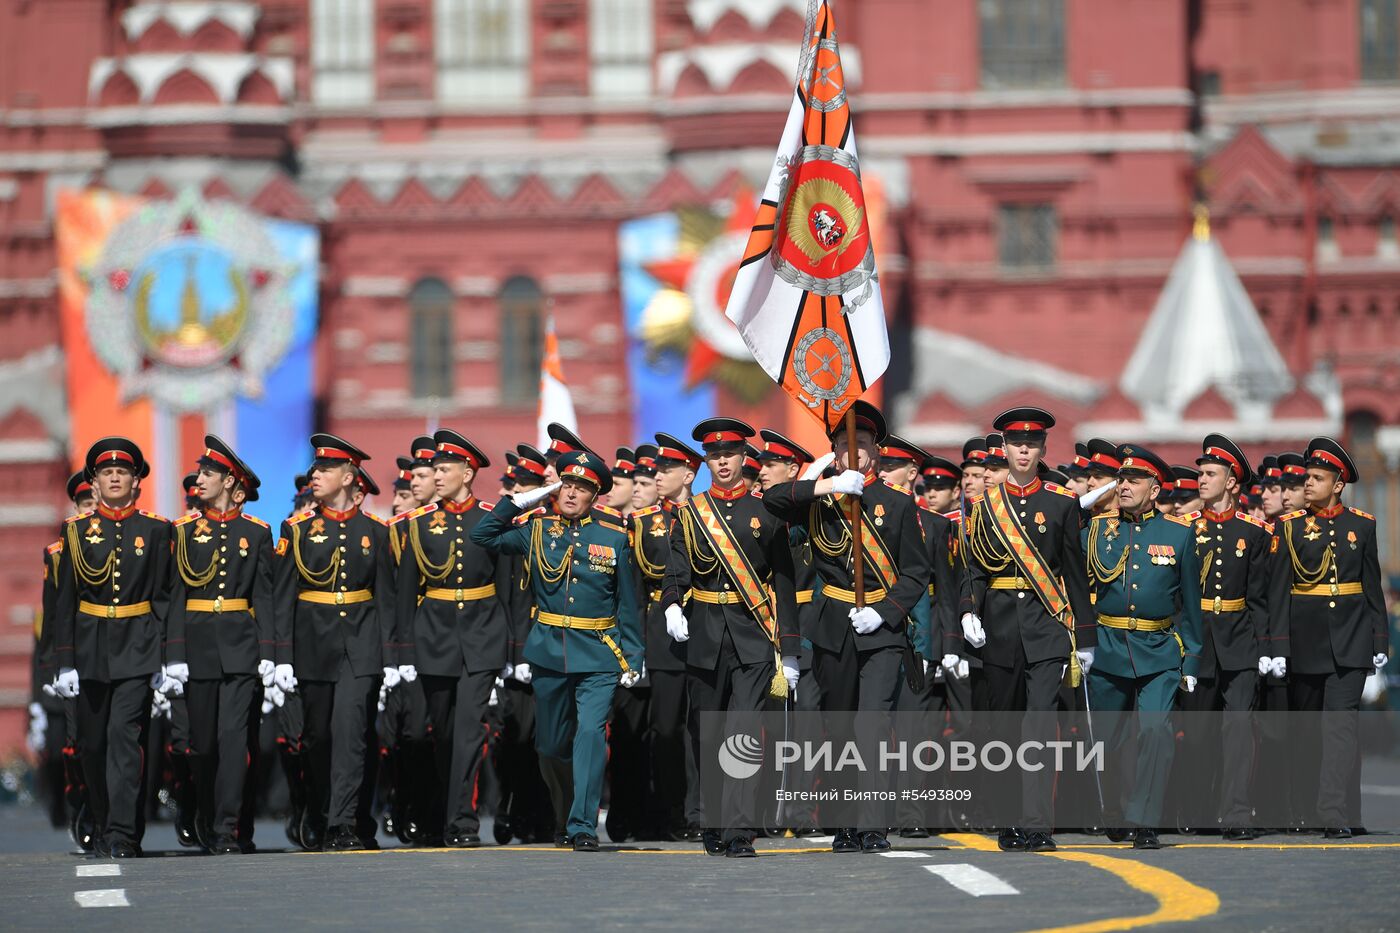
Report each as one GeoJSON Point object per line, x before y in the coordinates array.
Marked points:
{"type": "Point", "coordinates": [1204, 333]}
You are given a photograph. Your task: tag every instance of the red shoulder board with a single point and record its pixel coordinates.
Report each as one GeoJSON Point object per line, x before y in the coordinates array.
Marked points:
{"type": "Point", "coordinates": [896, 487]}
{"type": "Point", "coordinates": [281, 547]}
{"type": "Point", "coordinates": [643, 513]}
{"type": "Point", "coordinates": [183, 520]}
{"type": "Point", "coordinates": [1366, 515]}
{"type": "Point", "coordinates": [755, 492]}
{"type": "Point", "coordinates": [484, 505]}
{"type": "Point", "coordinates": [977, 499]}
{"type": "Point", "coordinates": [1256, 522]}
{"type": "Point", "coordinates": [612, 527]}
{"type": "Point", "coordinates": [411, 514]}
{"type": "Point", "coordinates": [81, 515]}
{"type": "Point", "coordinates": [257, 521]}
{"type": "Point", "coordinates": [1186, 520]}
{"type": "Point", "coordinates": [301, 516]}
{"type": "Point", "coordinates": [1055, 487]}
{"type": "Point", "coordinates": [376, 518]}
{"type": "Point", "coordinates": [159, 518]}
{"type": "Point", "coordinates": [1290, 516]}
{"type": "Point", "coordinates": [954, 516]}
{"type": "Point", "coordinates": [608, 511]}
{"type": "Point", "coordinates": [55, 548]}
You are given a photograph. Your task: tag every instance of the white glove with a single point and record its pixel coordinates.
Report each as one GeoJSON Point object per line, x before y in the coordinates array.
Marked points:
{"type": "Point", "coordinates": [267, 700]}
{"type": "Point", "coordinates": [265, 671]}
{"type": "Point", "coordinates": [948, 662]}
{"type": "Point", "coordinates": [676, 625]}
{"type": "Point", "coordinates": [1279, 667]}
{"type": "Point", "coordinates": [865, 620]}
{"type": "Point", "coordinates": [791, 672]}
{"type": "Point", "coordinates": [383, 697]}
{"type": "Point", "coordinates": [38, 722]}
{"type": "Point", "coordinates": [1380, 660]}
{"type": "Point", "coordinates": [1087, 500]}
{"type": "Point", "coordinates": [849, 482]}
{"type": "Point", "coordinates": [962, 671]}
{"type": "Point", "coordinates": [408, 673]}
{"type": "Point", "coordinates": [1265, 663]}
{"type": "Point", "coordinates": [817, 467]}
{"type": "Point", "coordinates": [179, 671]}
{"type": "Point", "coordinates": [391, 679]}
{"type": "Point", "coordinates": [526, 500]}
{"type": "Point", "coordinates": [49, 689]}
{"type": "Point", "coordinates": [972, 630]}
{"type": "Point", "coordinates": [160, 704]}
{"type": "Point", "coordinates": [629, 678]}
{"type": "Point", "coordinates": [66, 683]}
{"type": "Point", "coordinates": [284, 678]}
{"type": "Point", "coordinates": [523, 674]}
{"type": "Point", "coordinates": [1086, 659]}
{"type": "Point", "coordinates": [506, 671]}
{"type": "Point", "coordinates": [162, 682]}
{"type": "Point", "coordinates": [1188, 683]}
{"type": "Point", "coordinates": [495, 699]}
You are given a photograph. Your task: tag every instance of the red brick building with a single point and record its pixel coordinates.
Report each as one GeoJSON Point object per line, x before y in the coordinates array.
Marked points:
{"type": "Point", "coordinates": [468, 162]}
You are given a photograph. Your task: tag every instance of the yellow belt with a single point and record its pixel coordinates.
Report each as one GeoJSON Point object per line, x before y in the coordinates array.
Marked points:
{"type": "Point", "coordinates": [587, 625]}
{"type": "Point", "coordinates": [578, 622]}
{"type": "Point", "coordinates": [1134, 624]}
{"type": "Point", "coordinates": [1218, 605]}
{"type": "Point", "coordinates": [1329, 589]}
{"type": "Point", "coordinates": [1008, 583]}
{"type": "Point", "coordinates": [335, 599]}
{"type": "Point", "coordinates": [217, 605]}
{"type": "Point", "coordinates": [804, 597]}
{"type": "Point", "coordinates": [715, 597]}
{"type": "Point", "coordinates": [849, 596]}
{"type": "Point", "coordinates": [461, 595]}
{"type": "Point", "coordinates": [114, 612]}
{"type": "Point", "coordinates": [930, 591]}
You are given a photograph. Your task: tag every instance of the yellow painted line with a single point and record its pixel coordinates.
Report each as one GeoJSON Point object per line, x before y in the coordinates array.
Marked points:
{"type": "Point", "coordinates": [1178, 900]}
{"type": "Point", "coordinates": [1270, 846]}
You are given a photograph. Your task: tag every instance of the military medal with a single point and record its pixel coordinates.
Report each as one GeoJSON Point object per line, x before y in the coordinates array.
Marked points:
{"type": "Point", "coordinates": [658, 526]}
{"type": "Point", "coordinates": [202, 532]}
{"type": "Point", "coordinates": [318, 529]}
{"type": "Point", "coordinates": [755, 524]}
{"type": "Point", "coordinates": [1040, 522]}
{"type": "Point", "coordinates": [94, 535]}
{"type": "Point", "coordinates": [1313, 532]}
{"type": "Point", "coordinates": [438, 524]}
{"type": "Point", "coordinates": [1239, 548]}
{"type": "Point", "coordinates": [1351, 538]}
{"type": "Point", "coordinates": [879, 513]}
{"type": "Point", "coordinates": [140, 543]}
{"type": "Point", "coordinates": [242, 547]}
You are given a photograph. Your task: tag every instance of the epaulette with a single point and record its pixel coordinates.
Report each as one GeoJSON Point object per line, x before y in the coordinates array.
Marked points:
{"type": "Point", "coordinates": [159, 518]}
{"type": "Point", "coordinates": [608, 511]}
{"type": "Point", "coordinates": [896, 487]}
{"type": "Point", "coordinates": [183, 520]}
{"type": "Point", "coordinates": [1257, 522]}
{"type": "Point", "coordinates": [954, 516]}
{"type": "Point", "coordinates": [73, 518]}
{"type": "Point", "coordinates": [1290, 516]}
{"type": "Point", "coordinates": [643, 513]}
{"type": "Point", "coordinates": [1057, 488]}
{"type": "Point", "coordinates": [55, 548]}
{"type": "Point", "coordinates": [300, 516]}
{"type": "Point", "coordinates": [1362, 514]}
{"type": "Point", "coordinates": [484, 505]}
{"type": "Point", "coordinates": [257, 521]}
{"type": "Point", "coordinates": [375, 518]}
{"type": "Point", "coordinates": [612, 527]}
{"type": "Point", "coordinates": [413, 513]}
{"type": "Point", "coordinates": [977, 499]}
{"type": "Point", "coordinates": [524, 517]}
{"type": "Point", "coordinates": [755, 492]}
{"type": "Point", "coordinates": [1186, 520]}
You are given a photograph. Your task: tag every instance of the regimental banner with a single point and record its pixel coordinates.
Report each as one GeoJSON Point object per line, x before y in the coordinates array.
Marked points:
{"type": "Point", "coordinates": [183, 317]}
{"type": "Point", "coordinates": [806, 297]}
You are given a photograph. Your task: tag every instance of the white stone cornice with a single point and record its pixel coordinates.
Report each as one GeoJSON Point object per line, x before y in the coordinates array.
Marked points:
{"type": "Point", "coordinates": [1250, 431]}
{"type": "Point", "coordinates": [984, 144]}
{"type": "Point", "coordinates": [223, 71]}
{"type": "Point", "coordinates": [759, 13]}
{"type": "Point", "coordinates": [187, 16]}
{"type": "Point", "coordinates": [722, 63]}
{"type": "Point", "coordinates": [28, 516]}
{"type": "Point", "coordinates": [30, 450]}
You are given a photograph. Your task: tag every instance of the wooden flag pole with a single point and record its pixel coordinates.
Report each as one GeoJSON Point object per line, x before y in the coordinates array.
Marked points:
{"type": "Point", "coordinates": [857, 550]}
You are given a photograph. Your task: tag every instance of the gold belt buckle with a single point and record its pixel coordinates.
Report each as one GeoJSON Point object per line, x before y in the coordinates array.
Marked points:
{"type": "Point", "coordinates": [724, 598]}
{"type": "Point", "coordinates": [340, 599]}
{"type": "Point", "coordinates": [1132, 623]}
{"type": "Point", "coordinates": [111, 612]}
{"type": "Point", "coordinates": [568, 622]}
{"type": "Point", "coordinates": [1336, 590]}
{"type": "Point", "coordinates": [218, 604]}
{"type": "Point", "coordinates": [459, 594]}
{"type": "Point", "coordinates": [1217, 605]}
{"type": "Point", "coordinates": [1020, 583]}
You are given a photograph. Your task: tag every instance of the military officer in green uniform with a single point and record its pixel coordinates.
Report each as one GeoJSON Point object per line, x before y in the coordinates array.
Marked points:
{"type": "Point", "coordinates": [1326, 588]}
{"type": "Point", "coordinates": [586, 629]}
{"type": "Point", "coordinates": [1143, 570]}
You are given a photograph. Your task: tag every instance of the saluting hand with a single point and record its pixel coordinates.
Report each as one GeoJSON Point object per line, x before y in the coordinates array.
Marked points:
{"type": "Point", "coordinates": [527, 500]}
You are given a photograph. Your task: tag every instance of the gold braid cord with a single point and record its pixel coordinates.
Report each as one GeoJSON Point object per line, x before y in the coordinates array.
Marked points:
{"type": "Point", "coordinates": [1098, 572]}
{"type": "Point", "coordinates": [318, 577]}
{"type": "Point", "coordinates": [433, 573]}
{"type": "Point", "coordinates": [84, 571]}
{"type": "Point", "coordinates": [1205, 568]}
{"type": "Point", "coordinates": [194, 579]}
{"type": "Point", "coordinates": [831, 548]}
{"type": "Point", "coordinates": [985, 549]}
{"type": "Point", "coordinates": [1304, 576]}
{"type": "Point", "coordinates": [703, 560]}
{"type": "Point", "coordinates": [549, 573]}
{"type": "Point", "coordinates": [649, 570]}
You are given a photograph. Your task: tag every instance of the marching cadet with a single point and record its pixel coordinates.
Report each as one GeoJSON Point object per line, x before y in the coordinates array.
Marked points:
{"type": "Point", "coordinates": [781, 461]}
{"type": "Point", "coordinates": [190, 486]}
{"type": "Point", "coordinates": [586, 639]}
{"type": "Point", "coordinates": [749, 473]}
{"type": "Point", "coordinates": [1026, 583]}
{"type": "Point", "coordinates": [1272, 796]}
{"type": "Point", "coordinates": [1144, 571]}
{"type": "Point", "coordinates": [1078, 469]}
{"type": "Point", "coordinates": [302, 827]}
{"type": "Point", "coordinates": [452, 607]}
{"type": "Point", "coordinates": [942, 480]}
{"type": "Point", "coordinates": [974, 468]}
{"type": "Point", "coordinates": [1238, 635]}
{"type": "Point", "coordinates": [561, 441]}
{"type": "Point", "coordinates": [1326, 586]}
{"type": "Point", "coordinates": [858, 650]}
{"type": "Point", "coordinates": [728, 552]}
{"type": "Point", "coordinates": [1294, 471]}
{"type": "Point", "coordinates": [1186, 490]}
{"type": "Point", "coordinates": [52, 729]}
{"type": "Point", "coordinates": [1102, 469]}
{"type": "Point", "coordinates": [334, 598]}
{"type": "Point", "coordinates": [1271, 487]}
{"type": "Point", "coordinates": [628, 764]}
{"type": "Point", "coordinates": [423, 484]}
{"type": "Point", "coordinates": [403, 487]}
{"type": "Point", "coordinates": [109, 630]}
{"type": "Point", "coordinates": [220, 636]}
{"type": "Point", "coordinates": [524, 809]}
{"type": "Point", "coordinates": [995, 466]}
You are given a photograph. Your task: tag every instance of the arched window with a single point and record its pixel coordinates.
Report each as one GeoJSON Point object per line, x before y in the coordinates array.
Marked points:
{"type": "Point", "coordinates": [342, 51]}
{"type": "Point", "coordinates": [522, 340]}
{"type": "Point", "coordinates": [430, 307]}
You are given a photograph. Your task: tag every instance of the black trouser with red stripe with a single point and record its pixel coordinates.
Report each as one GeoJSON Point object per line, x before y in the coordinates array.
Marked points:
{"type": "Point", "coordinates": [457, 714]}
{"type": "Point", "coordinates": [223, 719]}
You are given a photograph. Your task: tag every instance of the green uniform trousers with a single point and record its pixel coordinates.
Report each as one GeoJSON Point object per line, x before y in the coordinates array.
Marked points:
{"type": "Point", "coordinates": [571, 720]}
{"type": "Point", "coordinates": [1135, 792]}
